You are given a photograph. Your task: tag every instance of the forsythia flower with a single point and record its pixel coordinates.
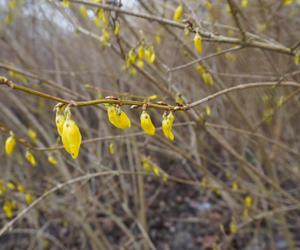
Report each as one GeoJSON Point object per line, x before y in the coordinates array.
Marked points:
{"type": "Point", "coordinates": [83, 11]}
{"type": "Point", "coordinates": [287, 2]}
{"type": "Point", "coordinates": [117, 29]}
{"type": "Point", "coordinates": [233, 226]}
{"type": "Point", "coordinates": [28, 198]}
{"type": "Point", "coordinates": [248, 201]}
{"type": "Point", "coordinates": [117, 117]}
{"type": "Point", "coordinates": [112, 148]}
{"type": "Point", "coordinates": [147, 124]}
{"type": "Point", "coordinates": [59, 121]}
{"type": "Point", "coordinates": [71, 137]}
{"type": "Point", "coordinates": [140, 64]}
{"type": "Point", "coordinates": [52, 160]}
{"type": "Point", "coordinates": [10, 185]}
{"type": "Point", "coordinates": [30, 158]}
{"type": "Point", "coordinates": [21, 188]}
{"type": "Point", "coordinates": [141, 52]}
{"type": "Point", "coordinates": [297, 58]}
{"type": "Point", "coordinates": [10, 144]}
{"type": "Point", "coordinates": [158, 38]}
{"type": "Point", "coordinates": [8, 208]}
{"type": "Point", "coordinates": [178, 13]}
{"type": "Point", "coordinates": [32, 134]}
{"type": "Point", "coordinates": [66, 3]}
{"type": "Point", "coordinates": [131, 58]}
{"type": "Point", "coordinates": [245, 3]}
{"type": "Point", "coordinates": [150, 55]}
{"type": "Point", "coordinates": [198, 43]}
{"type": "Point", "coordinates": [167, 124]}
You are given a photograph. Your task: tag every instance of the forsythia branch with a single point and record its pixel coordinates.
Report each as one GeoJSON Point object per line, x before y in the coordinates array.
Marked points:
{"type": "Point", "coordinates": [5, 81]}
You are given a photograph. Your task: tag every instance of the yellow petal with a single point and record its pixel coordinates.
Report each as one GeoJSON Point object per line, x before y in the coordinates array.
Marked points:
{"type": "Point", "coordinates": [71, 138]}
{"type": "Point", "coordinates": [178, 13]}
{"type": "Point", "coordinates": [118, 119]}
{"type": "Point", "coordinates": [140, 64]}
{"type": "Point", "coordinates": [167, 125]}
{"type": "Point", "coordinates": [198, 43]}
{"type": "Point", "coordinates": [141, 52]}
{"type": "Point", "coordinates": [32, 134]}
{"type": "Point", "coordinates": [124, 121]}
{"type": "Point", "coordinates": [117, 29]}
{"type": "Point", "coordinates": [297, 58]}
{"type": "Point", "coordinates": [66, 3]}
{"type": "Point", "coordinates": [83, 11]}
{"type": "Point", "coordinates": [28, 198]}
{"type": "Point", "coordinates": [59, 121]}
{"type": "Point", "coordinates": [147, 124]}
{"type": "Point", "coordinates": [150, 55]}
{"type": "Point", "coordinates": [52, 160]}
{"type": "Point", "coordinates": [10, 144]}
{"type": "Point", "coordinates": [112, 148]}
{"type": "Point", "coordinates": [248, 201]}
{"type": "Point", "coordinates": [30, 158]}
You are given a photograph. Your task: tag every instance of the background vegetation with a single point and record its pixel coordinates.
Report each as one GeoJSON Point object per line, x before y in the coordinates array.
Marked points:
{"type": "Point", "coordinates": [229, 180]}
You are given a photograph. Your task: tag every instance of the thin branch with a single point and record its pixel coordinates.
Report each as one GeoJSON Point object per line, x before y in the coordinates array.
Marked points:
{"type": "Point", "coordinates": [234, 13]}
{"type": "Point", "coordinates": [183, 66]}
{"type": "Point", "coordinates": [267, 45]}
{"type": "Point", "coordinates": [4, 81]}
{"type": "Point", "coordinates": [242, 87]}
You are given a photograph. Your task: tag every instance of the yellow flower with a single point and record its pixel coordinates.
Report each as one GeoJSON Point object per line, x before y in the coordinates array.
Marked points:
{"type": "Point", "coordinates": [10, 185]}
{"type": "Point", "coordinates": [207, 78]}
{"type": "Point", "coordinates": [178, 13]}
{"type": "Point", "coordinates": [10, 144]}
{"type": "Point", "coordinates": [117, 29]}
{"type": "Point", "coordinates": [124, 121]}
{"type": "Point", "coordinates": [140, 64]}
{"type": "Point", "coordinates": [198, 43]}
{"type": "Point", "coordinates": [8, 209]}
{"type": "Point", "coordinates": [2, 188]}
{"type": "Point", "coordinates": [83, 11]}
{"type": "Point", "coordinates": [245, 3]}
{"type": "Point", "coordinates": [167, 125]}
{"type": "Point", "coordinates": [158, 38]}
{"type": "Point", "coordinates": [28, 198]}
{"type": "Point", "coordinates": [105, 36]}
{"type": "Point", "coordinates": [21, 188]}
{"type": "Point", "coordinates": [131, 58]}
{"type": "Point", "coordinates": [71, 137]}
{"type": "Point", "coordinates": [150, 55]}
{"type": "Point", "coordinates": [147, 124]}
{"type": "Point", "coordinates": [30, 158]}
{"type": "Point", "coordinates": [146, 164]}
{"type": "Point", "coordinates": [141, 52]}
{"type": "Point", "coordinates": [233, 227]}
{"type": "Point", "coordinates": [32, 134]}
{"type": "Point", "coordinates": [66, 3]}
{"type": "Point", "coordinates": [12, 4]}
{"type": "Point", "coordinates": [297, 58]}
{"type": "Point", "coordinates": [52, 160]}
{"type": "Point", "coordinates": [112, 148]}
{"type": "Point", "coordinates": [156, 170]}
{"type": "Point", "coordinates": [287, 2]}
{"type": "Point", "coordinates": [118, 117]}
{"type": "Point", "coordinates": [59, 121]}
{"type": "Point", "coordinates": [248, 201]}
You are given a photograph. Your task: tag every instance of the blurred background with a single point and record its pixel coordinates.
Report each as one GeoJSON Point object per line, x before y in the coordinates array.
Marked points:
{"type": "Point", "coordinates": [229, 180]}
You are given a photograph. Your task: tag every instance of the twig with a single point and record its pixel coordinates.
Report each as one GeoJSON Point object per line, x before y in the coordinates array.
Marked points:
{"type": "Point", "coordinates": [205, 34]}
{"type": "Point", "coordinates": [4, 81]}
{"type": "Point", "coordinates": [242, 87]}
{"type": "Point", "coordinates": [180, 67]}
